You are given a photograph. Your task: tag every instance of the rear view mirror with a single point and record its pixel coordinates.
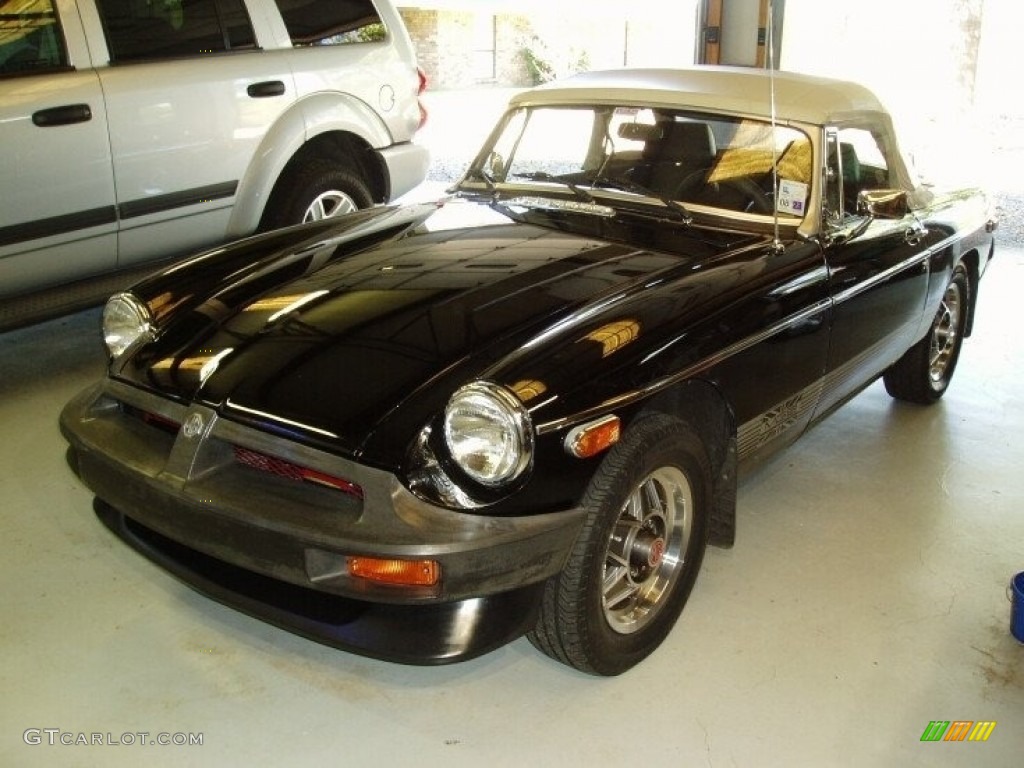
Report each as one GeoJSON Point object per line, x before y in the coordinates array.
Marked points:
{"type": "Point", "coordinates": [640, 132]}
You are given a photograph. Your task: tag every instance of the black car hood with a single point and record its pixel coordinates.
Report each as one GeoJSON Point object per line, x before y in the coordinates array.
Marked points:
{"type": "Point", "coordinates": [328, 340]}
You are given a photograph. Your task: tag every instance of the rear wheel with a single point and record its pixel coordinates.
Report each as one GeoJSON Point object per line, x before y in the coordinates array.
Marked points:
{"type": "Point", "coordinates": [637, 558]}
{"type": "Point", "coordinates": [923, 374]}
{"type": "Point", "coordinates": [315, 190]}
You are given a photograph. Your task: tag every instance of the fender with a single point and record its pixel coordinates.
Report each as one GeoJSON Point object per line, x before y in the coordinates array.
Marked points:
{"type": "Point", "coordinates": [303, 121]}
{"type": "Point", "coordinates": [703, 405]}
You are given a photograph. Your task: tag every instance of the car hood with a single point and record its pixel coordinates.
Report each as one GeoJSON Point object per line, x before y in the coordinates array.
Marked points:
{"type": "Point", "coordinates": [336, 340]}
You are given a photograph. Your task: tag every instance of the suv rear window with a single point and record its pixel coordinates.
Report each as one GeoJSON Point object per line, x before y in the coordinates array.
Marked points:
{"type": "Point", "coordinates": [331, 22]}
{"type": "Point", "coordinates": [139, 29]}
{"type": "Point", "coordinates": [30, 37]}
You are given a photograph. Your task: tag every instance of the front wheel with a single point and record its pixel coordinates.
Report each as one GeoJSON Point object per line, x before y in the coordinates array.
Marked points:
{"type": "Point", "coordinates": [637, 558]}
{"type": "Point", "coordinates": [315, 190]}
{"type": "Point", "coordinates": [923, 374]}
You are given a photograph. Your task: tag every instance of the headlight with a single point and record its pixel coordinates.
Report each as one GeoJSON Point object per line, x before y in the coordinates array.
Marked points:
{"type": "Point", "coordinates": [488, 433]}
{"type": "Point", "coordinates": [126, 321]}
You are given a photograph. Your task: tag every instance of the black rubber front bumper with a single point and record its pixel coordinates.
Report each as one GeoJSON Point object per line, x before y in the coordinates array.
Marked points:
{"type": "Point", "coordinates": [276, 548]}
{"type": "Point", "coordinates": [430, 633]}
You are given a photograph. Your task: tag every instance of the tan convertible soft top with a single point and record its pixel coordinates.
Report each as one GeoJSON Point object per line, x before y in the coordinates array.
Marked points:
{"type": "Point", "coordinates": [803, 98]}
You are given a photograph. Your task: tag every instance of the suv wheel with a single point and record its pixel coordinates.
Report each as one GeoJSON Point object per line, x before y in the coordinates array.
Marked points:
{"type": "Point", "coordinates": [317, 189]}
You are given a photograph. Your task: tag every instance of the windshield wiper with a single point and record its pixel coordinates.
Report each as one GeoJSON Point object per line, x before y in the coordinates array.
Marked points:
{"type": "Point", "coordinates": [682, 215]}
{"type": "Point", "coordinates": [581, 193]}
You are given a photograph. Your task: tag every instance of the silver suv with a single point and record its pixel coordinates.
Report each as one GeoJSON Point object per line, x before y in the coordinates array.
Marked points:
{"type": "Point", "coordinates": [136, 131]}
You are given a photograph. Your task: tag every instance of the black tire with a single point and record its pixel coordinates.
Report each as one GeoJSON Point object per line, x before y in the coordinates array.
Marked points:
{"type": "Point", "coordinates": [324, 186]}
{"type": "Point", "coordinates": [663, 544]}
{"type": "Point", "coordinates": [924, 372]}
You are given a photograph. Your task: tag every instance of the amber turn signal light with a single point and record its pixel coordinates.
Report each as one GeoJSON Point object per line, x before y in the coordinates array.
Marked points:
{"type": "Point", "coordinates": [590, 439]}
{"type": "Point", "coordinates": [409, 573]}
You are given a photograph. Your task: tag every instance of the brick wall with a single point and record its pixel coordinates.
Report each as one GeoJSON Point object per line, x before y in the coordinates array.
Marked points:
{"type": "Point", "coordinates": [448, 45]}
{"type": "Point", "coordinates": [422, 26]}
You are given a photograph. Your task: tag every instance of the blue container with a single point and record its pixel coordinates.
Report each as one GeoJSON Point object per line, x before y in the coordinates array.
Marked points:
{"type": "Point", "coordinates": [1017, 609]}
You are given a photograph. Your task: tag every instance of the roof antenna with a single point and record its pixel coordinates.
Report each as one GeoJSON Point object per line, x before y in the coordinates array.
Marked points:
{"type": "Point", "coordinates": [777, 246]}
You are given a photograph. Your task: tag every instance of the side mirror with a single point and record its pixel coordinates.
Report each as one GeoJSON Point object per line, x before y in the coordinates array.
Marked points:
{"type": "Point", "coordinates": [872, 204]}
{"type": "Point", "coordinates": [883, 203]}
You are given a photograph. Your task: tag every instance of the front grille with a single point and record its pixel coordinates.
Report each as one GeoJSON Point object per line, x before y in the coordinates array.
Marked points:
{"type": "Point", "coordinates": [164, 424]}
{"type": "Point", "coordinates": [291, 471]}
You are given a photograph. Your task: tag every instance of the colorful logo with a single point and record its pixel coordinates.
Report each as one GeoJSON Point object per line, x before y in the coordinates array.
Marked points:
{"type": "Point", "coordinates": [958, 730]}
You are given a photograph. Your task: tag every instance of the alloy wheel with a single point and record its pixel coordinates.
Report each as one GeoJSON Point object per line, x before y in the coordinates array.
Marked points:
{"type": "Point", "coordinates": [328, 204]}
{"type": "Point", "coordinates": [945, 333]}
{"type": "Point", "coordinates": [646, 549]}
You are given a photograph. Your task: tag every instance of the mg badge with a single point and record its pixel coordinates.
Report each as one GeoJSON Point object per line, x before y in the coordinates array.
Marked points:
{"type": "Point", "coordinates": [193, 426]}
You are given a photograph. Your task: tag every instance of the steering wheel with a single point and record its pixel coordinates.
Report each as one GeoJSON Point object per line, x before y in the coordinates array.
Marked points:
{"type": "Point", "coordinates": [740, 193]}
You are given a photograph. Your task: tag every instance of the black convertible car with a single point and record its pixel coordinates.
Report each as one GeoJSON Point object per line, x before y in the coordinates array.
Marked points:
{"type": "Point", "coordinates": [419, 432]}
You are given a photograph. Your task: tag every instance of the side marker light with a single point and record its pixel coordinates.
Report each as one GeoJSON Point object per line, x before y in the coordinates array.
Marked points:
{"type": "Point", "coordinates": [590, 439]}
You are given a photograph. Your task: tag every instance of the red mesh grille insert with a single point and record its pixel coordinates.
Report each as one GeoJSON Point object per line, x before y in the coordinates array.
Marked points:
{"type": "Point", "coordinates": [164, 424]}
{"type": "Point", "coordinates": [265, 463]}
{"type": "Point", "coordinates": [291, 471]}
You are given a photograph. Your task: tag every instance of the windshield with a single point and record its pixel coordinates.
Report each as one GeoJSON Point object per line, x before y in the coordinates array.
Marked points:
{"type": "Point", "coordinates": [700, 160]}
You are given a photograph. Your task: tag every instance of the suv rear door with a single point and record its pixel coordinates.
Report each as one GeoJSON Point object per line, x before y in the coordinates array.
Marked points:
{"type": "Point", "coordinates": [58, 222]}
{"type": "Point", "coordinates": [190, 94]}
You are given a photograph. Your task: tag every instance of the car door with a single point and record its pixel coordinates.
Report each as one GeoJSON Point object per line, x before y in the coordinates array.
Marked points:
{"type": "Point", "coordinates": [57, 219]}
{"type": "Point", "coordinates": [190, 94]}
{"type": "Point", "coordinates": [878, 266]}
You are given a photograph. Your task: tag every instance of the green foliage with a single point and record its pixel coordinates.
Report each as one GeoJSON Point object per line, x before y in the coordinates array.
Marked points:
{"type": "Point", "coordinates": [372, 33]}
{"type": "Point", "coordinates": [544, 65]}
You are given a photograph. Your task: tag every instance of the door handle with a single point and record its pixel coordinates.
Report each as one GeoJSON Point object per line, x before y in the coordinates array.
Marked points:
{"type": "Point", "coordinates": [266, 89]}
{"type": "Point", "coordinates": [69, 114]}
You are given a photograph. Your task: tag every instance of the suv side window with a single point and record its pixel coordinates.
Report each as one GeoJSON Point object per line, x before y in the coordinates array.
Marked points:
{"type": "Point", "coordinates": [30, 37]}
{"type": "Point", "coordinates": [142, 30]}
{"type": "Point", "coordinates": [331, 22]}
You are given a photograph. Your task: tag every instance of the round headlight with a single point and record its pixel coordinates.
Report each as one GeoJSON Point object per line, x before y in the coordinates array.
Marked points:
{"type": "Point", "coordinates": [126, 320]}
{"type": "Point", "coordinates": [488, 433]}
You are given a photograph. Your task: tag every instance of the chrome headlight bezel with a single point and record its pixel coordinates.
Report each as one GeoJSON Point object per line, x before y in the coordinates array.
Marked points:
{"type": "Point", "coordinates": [127, 322]}
{"type": "Point", "coordinates": [488, 434]}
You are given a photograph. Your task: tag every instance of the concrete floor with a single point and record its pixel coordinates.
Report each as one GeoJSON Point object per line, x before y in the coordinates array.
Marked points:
{"type": "Point", "coordinates": [866, 597]}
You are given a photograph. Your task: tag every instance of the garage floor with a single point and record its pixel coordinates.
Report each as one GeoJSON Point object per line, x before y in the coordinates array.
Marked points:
{"type": "Point", "coordinates": [866, 597]}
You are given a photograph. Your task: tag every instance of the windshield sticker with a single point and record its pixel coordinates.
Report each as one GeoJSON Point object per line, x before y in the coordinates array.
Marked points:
{"type": "Point", "coordinates": [792, 197]}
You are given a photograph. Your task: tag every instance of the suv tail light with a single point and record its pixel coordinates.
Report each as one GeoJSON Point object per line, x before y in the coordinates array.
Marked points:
{"type": "Point", "coordinates": [419, 92]}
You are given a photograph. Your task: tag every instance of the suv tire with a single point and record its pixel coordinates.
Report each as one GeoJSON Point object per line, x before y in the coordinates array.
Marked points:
{"type": "Point", "coordinates": [314, 190]}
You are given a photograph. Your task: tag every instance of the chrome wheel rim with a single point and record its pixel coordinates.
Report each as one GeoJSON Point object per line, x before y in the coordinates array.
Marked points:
{"type": "Point", "coordinates": [646, 550]}
{"type": "Point", "coordinates": [328, 204]}
{"type": "Point", "coordinates": [945, 334]}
